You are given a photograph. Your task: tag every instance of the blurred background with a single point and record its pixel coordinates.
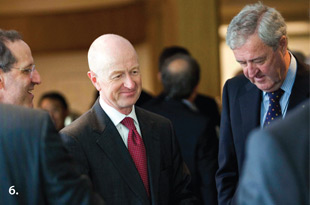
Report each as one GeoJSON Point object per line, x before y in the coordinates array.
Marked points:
{"type": "Point", "coordinates": [60, 32]}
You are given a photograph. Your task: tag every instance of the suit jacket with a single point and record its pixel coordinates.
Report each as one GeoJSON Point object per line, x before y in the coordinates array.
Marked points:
{"type": "Point", "coordinates": [101, 153]}
{"type": "Point", "coordinates": [198, 142]}
{"type": "Point", "coordinates": [240, 114]}
{"type": "Point", "coordinates": [144, 98]}
{"type": "Point", "coordinates": [35, 167]}
{"type": "Point", "coordinates": [276, 168]}
{"type": "Point", "coordinates": [205, 104]}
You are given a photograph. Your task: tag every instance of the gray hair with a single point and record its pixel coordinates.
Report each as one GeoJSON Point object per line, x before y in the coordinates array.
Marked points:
{"type": "Point", "coordinates": [266, 21]}
{"type": "Point", "coordinates": [7, 59]}
{"type": "Point", "coordinates": [180, 84]}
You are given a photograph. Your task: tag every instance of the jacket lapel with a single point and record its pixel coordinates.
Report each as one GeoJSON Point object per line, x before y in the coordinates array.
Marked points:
{"type": "Point", "coordinates": [113, 146]}
{"type": "Point", "coordinates": [152, 146]}
{"type": "Point", "coordinates": [250, 108]}
{"type": "Point", "coordinates": [300, 90]}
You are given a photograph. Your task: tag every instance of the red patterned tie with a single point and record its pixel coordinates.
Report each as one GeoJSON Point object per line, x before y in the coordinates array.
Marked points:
{"type": "Point", "coordinates": [137, 151]}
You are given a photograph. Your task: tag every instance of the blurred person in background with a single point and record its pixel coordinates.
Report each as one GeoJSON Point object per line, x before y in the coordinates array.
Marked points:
{"type": "Point", "coordinates": [180, 76]}
{"type": "Point", "coordinates": [56, 105]}
{"type": "Point", "coordinates": [276, 167]}
{"type": "Point", "coordinates": [202, 103]}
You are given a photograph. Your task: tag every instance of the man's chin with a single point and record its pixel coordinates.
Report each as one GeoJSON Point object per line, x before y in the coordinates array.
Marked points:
{"type": "Point", "coordinates": [265, 88]}
{"type": "Point", "coordinates": [28, 104]}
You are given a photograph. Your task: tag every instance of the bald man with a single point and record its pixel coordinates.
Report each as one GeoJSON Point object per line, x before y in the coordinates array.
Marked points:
{"type": "Point", "coordinates": [131, 155]}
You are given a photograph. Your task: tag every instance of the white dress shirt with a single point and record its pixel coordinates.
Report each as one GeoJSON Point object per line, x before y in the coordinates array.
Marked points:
{"type": "Point", "coordinates": [116, 117]}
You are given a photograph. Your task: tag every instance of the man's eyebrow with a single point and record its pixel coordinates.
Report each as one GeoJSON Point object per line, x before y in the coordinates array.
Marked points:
{"type": "Point", "coordinates": [251, 60]}
{"type": "Point", "coordinates": [259, 58]}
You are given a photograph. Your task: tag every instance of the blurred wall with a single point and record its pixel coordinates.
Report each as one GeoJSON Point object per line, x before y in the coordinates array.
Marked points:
{"type": "Point", "coordinates": [60, 32]}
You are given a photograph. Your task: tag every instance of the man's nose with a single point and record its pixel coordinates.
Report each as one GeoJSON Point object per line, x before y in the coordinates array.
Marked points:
{"type": "Point", "coordinates": [252, 70]}
{"type": "Point", "coordinates": [36, 78]}
{"type": "Point", "coordinates": [129, 83]}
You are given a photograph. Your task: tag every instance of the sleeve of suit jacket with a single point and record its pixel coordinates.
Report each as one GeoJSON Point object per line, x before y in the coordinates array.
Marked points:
{"type": "Point", "coordinates": [62, 182]}
{"type": "Point", "coordinates": [207, 154]}
{"type": "Point", "coordinates": [227, 174]}
{"type": "Point", "coordinates": [180, 178]}
{"type": "Point", "coordinates": [259, 181]}
{"type": "Point", "coordinates": [276, 169]}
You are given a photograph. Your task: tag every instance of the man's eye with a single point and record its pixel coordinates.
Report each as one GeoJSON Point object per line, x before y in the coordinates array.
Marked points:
{"type": "Point", "coordinates": [135, 72]}
{"type": "Point", "coordinates": [258, 61]}
{"type": "Point", "coordinates": [27, 70]}
{"type": "Point", "coordinates": [116, 76]}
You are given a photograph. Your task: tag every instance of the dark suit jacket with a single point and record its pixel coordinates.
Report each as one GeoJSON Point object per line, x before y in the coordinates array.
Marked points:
{"type": "Point", "coordinates": [199, 144]}
{"type": "Point", "coordinates": [241, 114]}
{"type": "Point", "coordinates": [34, 163]}
{"type": "Point", "coordinates": [276, 168]}
{"type": "Point", "coordinates": [205, 104]}
{"type": "Point", "coordinates": [101, 153]}
{"type": "Point", "coordinates": [144, 98]}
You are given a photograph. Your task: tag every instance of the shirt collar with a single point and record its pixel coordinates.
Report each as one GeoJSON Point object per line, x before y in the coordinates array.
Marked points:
{"type": "Point", "coordinates": [115, 115]}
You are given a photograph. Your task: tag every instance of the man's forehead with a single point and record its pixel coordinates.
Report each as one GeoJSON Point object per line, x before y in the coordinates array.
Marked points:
{"type": "Point", "coordinates": [15, 44]}
{"type": "Point", "coordinates": [121, 67]}
{"type": "Point", "coordinates": [18, 48]}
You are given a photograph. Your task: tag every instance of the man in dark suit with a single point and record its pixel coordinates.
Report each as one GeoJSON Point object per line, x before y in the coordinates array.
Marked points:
{"type": "Point", "coordinates": [35, 168]}
{"type": "Point", "coordinates": [276, 167]}
{"type": "Point", "coordinates": [257, 36]}
{"type": "Point", "coordinates": [18, 75]}
{"type": "Point", "coordinates": [131, 155]}
{"type": "Point", "coordinates": [205, 104]}
{"type": "Point", "coordinates": [195, 132]}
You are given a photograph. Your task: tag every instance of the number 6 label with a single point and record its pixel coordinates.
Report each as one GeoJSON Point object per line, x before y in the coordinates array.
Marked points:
{"type": "Point", "coordinates": [12, 190]}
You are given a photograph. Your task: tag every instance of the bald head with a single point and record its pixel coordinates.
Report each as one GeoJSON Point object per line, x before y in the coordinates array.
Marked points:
{"type": "Point", "coordinates": [115, 72]}
{"type": "Point", "coordinates": [108, 50]}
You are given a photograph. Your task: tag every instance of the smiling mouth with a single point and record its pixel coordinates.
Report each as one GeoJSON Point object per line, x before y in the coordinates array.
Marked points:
{"type": "Point", "coordinates": [30, 92]}
{"type": "Point", "coordinates": [129, 92]}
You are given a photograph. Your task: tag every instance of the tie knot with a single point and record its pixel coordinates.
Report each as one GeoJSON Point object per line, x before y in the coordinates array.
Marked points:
{"type": "Point", "coordinates": [276, 95]}
{"type": "Point", "coordinates": [128, 122]}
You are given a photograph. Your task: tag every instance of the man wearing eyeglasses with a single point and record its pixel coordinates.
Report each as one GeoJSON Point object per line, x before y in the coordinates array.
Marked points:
{"type": "Point", "coordinates": [35, 168]}
{"type": "Point", "coordinates": [18, 75]}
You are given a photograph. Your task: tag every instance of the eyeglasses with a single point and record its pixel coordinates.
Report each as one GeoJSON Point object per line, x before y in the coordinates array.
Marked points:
{"type": "Point", "coordinates": [28, 70]}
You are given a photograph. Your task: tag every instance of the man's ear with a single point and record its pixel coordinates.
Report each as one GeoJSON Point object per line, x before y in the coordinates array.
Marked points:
{"type": "Point", "coordinates": [159, 76]}
{"type": "Point", "coordinates": [93, 78]}
{"type": "Point", "coordinates": [283, 44]}
{"type": "Point", "coordinates": [1, 79]}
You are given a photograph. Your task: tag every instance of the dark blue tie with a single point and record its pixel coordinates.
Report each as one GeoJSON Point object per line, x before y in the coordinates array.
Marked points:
{"type": "Point", "coordinates": [274, 109]}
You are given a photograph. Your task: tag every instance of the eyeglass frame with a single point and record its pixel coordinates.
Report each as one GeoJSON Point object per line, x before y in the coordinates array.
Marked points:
{"type": "Point", "coordinates": [28, 70]}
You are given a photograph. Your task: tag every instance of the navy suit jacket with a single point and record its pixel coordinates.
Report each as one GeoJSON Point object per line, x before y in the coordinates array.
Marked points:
{"type": "Point", "coordinates": [198, 141]}
{"type": "Point", "coordinates": [101, 153]}
{"type": "Point", "coordinates": [208, 107]}
{"type": "Point", "coordinates": [35, 167]}
{"type": "Point", "coordinates": [240, 115]}
{"type": "Point", "coordinates": [276, 168]}
{"type": "Point", "coordinates": [205, 104]}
